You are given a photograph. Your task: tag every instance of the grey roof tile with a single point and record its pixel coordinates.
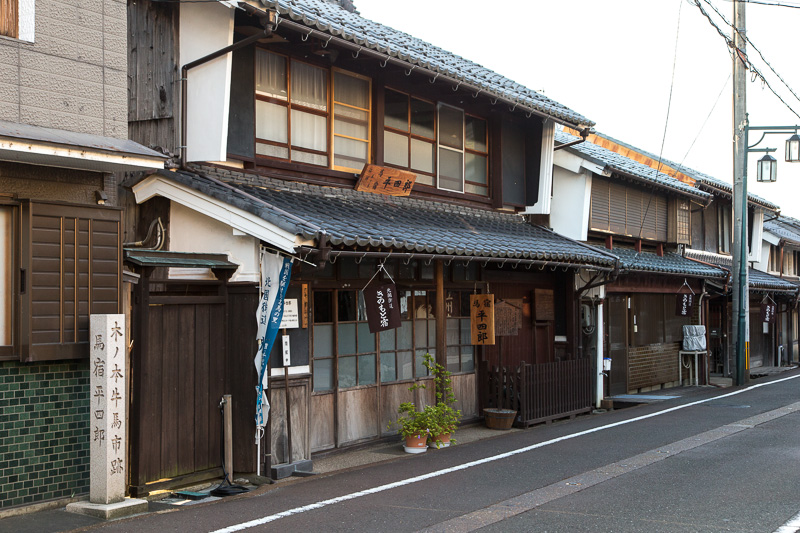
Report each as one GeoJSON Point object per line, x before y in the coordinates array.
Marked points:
{"type": "Point", "coordinates": [621, 164]}
{"type": "Point", "coordinates": [669, 263]}
{"type": "Point", "coordinates": [709, 182]}
{"type": "Point", "coordinates": [353, 218]}
{"type": "Point", "coordinates": [786, 228]}
{"type": "Point", "coordinates": [334, 20]}
{"type": "Point", "coordinates": [757, 280]}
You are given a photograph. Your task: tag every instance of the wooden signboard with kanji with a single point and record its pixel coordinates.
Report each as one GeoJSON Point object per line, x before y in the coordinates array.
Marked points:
{"type": "Point", "coordinates": [508, 317]}
{"type": "Point", "coordinates": [384, 180]}
{"type": "Point", "coordinates": [481, 313]}
{"type": "Point", "coordinates": [544, 305]}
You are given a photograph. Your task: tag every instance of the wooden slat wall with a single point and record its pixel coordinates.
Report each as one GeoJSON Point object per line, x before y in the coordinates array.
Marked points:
{"type": "Point", "coordinates": [625, 210]}
{"type": "Point", "coordinates": [73, 264]}
{"type": "Point", "coordinates": [9, 18]}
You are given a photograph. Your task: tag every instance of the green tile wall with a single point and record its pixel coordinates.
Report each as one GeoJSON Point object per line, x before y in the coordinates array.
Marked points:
{"type": "Point", "coordinates": [44, 431]}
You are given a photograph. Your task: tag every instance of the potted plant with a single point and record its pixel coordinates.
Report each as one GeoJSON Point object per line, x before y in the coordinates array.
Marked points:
{"type": "Point", "coordinates": [442, 417]}
{"type": "Point", "coordinates": [414, 426]}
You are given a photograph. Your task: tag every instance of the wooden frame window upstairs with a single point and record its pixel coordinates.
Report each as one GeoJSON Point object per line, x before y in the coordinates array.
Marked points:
{"type": "Point", "coordinates": [66, 263]}
{"type": "Point", "coordinates": [9, 18]}
{"type": "Point", "coordinates": [724, 226]}
{"type": "Point", "coordinates": [443, 145]}
{"type": "Point", "coordinates": [295, 108]}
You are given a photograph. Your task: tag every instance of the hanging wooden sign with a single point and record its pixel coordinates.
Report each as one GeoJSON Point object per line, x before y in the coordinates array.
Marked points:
{"type": "Point", "coordinates": [768, 312]}
{"type": "Point", "coordinates": [383, 308]}
{"type": "Point", "coordinates": [481, 313]}
{"type": "Point", "coordinates": [683, 304]}
{"type": "Point", "coordinates": [384, 180]}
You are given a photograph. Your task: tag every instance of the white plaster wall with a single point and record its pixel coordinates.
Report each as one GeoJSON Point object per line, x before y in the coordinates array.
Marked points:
{"type": "Point", "coordinates": [206, 27]}
{"type": "Point", "coordinates": [190, 231]}
{"type": "Point", "coordinates": [570, 203]}
{"type": "Point", "coordinates": [758, 230]}
{"type": "Point", "coordinates": [27, 20]}
{"type": "Point", "coordinates": [763, 262]}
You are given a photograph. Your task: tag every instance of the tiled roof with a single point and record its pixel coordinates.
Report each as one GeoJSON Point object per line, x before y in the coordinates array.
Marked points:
{"type": "Point", "coordinates": [669, 263]}
{"type": "Point", "coordinates": [784, 227]}
{"type": "Point", "coordinates": [707, 182]}
{"type": "Point", "coordinates": [330, 18]}
{"type": "Point", "coordinates": [757, 280]}
{"type": "Point", "coordinates": [362, 219]}
{"type": "Point", "coordinates": [619, 163]}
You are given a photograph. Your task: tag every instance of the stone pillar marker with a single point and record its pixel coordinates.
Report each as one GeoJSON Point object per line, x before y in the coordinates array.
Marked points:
{"type": "Point", "coordinates": [107, 421]}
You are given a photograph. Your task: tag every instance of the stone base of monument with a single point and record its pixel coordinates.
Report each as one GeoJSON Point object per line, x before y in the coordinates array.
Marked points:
{"type": "Point", "coordinates": [108, 511]}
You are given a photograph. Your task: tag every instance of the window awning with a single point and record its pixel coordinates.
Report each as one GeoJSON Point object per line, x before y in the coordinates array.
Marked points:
{"type": "Point", "coordinates": [34, 145]}
{"type": "Point", "coordinates": [158, 258]}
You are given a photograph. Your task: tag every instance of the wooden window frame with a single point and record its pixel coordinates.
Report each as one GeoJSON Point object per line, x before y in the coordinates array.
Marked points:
{"type": "Point", "coordinates": [101, 259]}
{"type": "Point", "coordinates": [477, 153]}
{"type": "Point", "coordinates": [11, 351]}
{"type": "Point", "coordinates": [332, 108]}
{"type": "Point", "coordinates": [329, 114]}
{"type": "Point", "coordinates": [415, 136]}
{"type": "Point", "coordinates": [724, 240]}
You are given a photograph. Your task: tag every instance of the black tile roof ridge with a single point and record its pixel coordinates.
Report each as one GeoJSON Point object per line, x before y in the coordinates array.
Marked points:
{"type": "Point", "coordinates": [614, 161]}
{"type": "Point", "coordinates": [702, 177]}
{"type": "Point", "coordinates": [334, 20]}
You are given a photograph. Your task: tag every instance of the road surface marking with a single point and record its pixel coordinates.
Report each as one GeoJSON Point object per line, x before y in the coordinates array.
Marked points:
{"type": "Point", "coordinates": [791, 526]}
{"type": "Point", "coordinates": [375, 490]}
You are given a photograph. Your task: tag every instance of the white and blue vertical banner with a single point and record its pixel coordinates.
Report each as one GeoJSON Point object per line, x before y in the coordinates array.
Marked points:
{"type": "Point", "coordinates": [275, 274]}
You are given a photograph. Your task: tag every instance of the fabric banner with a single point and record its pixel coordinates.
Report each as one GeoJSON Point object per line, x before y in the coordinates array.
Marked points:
{"type": "Point", "coordinates": [683, 304]}
{"type": "Point", "coordinates": [275, 274]}
{"type": "Point", "coordinates": [383, 309]}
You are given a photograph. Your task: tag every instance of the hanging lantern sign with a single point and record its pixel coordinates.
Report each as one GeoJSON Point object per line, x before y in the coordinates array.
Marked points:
{"type": "Point", "coordinates": [768, 310]}
{"type": "Point", "coordinates": [683, 304]}
{"type": "Point", "coordinates": [481, 313]}
{"type": "Point", "coordinates": [383, 307]}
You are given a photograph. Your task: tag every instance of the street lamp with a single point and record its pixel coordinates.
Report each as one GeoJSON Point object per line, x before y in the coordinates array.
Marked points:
{"type": "Point", "coordinates": [766, 172]}
{"type": "Point", "coordinates": [767, 169]}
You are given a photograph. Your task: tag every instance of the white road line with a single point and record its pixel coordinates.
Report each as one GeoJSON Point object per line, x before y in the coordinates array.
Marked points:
{"type": "Point", "coordinates": [437, 473]}
{"type": "Point", "coordinates": [791, 526]}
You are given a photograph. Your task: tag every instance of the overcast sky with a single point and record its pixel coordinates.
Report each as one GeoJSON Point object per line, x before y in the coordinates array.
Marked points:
{"type": "Point", "coordinates": [612, 61]}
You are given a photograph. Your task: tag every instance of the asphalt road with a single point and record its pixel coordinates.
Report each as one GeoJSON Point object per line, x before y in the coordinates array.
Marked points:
{"type": "Point", "coordinates": [711, 460]}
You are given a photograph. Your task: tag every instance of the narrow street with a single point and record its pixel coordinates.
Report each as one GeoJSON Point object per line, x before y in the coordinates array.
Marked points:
{"type": "Point", "coordinates": [710, 460]}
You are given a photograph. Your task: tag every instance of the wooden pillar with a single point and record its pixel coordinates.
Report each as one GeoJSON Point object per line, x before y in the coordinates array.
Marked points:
{"type": "Point", "coordinates": [441, 319]}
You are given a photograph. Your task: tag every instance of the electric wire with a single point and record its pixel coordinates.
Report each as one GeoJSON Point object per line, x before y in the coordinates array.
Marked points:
{"type": "Point", "coordinates": [747, 40]}
{"type": "Point", "coordinates": [743, 56]}
{"type": "Point", "coordinates": [702, 127]}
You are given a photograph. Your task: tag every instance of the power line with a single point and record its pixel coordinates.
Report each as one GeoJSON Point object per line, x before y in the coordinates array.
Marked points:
{"type": "Point", "coordinates": [747, 39]}
{"type": "Point", "coordinates": [743, 56]}
{"type": "Point", "coordinates": [713, 107]}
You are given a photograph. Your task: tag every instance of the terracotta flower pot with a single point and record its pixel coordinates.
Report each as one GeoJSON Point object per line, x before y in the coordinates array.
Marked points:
{"type": "Point", "coordinates": [416, 443]}
{"type": "Point", "coordinates": [441, 441]}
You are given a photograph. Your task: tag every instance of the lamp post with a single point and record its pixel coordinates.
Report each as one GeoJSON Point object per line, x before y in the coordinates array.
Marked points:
{"type": "Point", "coordinates": [766, 171]}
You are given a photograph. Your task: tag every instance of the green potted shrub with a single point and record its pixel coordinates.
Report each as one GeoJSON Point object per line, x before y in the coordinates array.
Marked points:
{"type": "Point", "coordinates": [414, 427]}
{"type": "Point", "coordinates": [442, 417]}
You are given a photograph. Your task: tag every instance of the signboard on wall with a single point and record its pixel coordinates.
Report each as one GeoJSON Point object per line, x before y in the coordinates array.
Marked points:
{"type": "Point", "coordinates": [384, 180]}
{"type": "Point", "coordinates": [291, 314]}
{"type": "Point", "coordinates": [481, 314]}
{"type": "Point", "coordinates": [544, 305]}
{"type": "Point", "coordinates": [507, 318]}
{"type": "Point", "coordinates": [383, 308]}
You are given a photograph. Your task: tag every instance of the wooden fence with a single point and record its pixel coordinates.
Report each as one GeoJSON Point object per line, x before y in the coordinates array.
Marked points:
{"type": "Point", "coordinates": [540, 393]}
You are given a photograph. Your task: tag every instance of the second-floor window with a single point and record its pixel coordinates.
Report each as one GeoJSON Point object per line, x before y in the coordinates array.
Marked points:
{"type": "Point", "coordinates": [296, 104]}
{"type": "Point", "coordinates": [443, 145]}
{"type": "Point", "coordinates": [724, 224]}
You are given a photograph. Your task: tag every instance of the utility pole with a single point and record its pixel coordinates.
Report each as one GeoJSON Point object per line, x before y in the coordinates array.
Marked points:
{"type": "Point", "coordinates": [740, 233]}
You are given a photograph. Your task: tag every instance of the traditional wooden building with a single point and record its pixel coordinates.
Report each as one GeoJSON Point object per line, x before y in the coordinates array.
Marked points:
{"type": "Point", "coordinates": [289, 107]}
{"type": "Point", "coordinates": [711, 241]}
{"type": "Point", "coordinates": [643, 217]}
